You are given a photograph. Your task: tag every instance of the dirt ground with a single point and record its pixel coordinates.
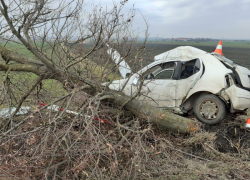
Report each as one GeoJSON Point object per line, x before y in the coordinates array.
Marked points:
{"type": "Point", "coordinates": [215, 152]}
{"type": "Point", "coordinates": [220, 151]}
{"type": "Point", "coordinates": [231, 134]}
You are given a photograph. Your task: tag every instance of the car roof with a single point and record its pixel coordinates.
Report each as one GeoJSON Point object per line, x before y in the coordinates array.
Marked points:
{"type": "Point", "coordinates": [182, 53]}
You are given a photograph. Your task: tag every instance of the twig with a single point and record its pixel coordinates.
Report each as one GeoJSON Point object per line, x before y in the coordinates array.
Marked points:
{"type": "Point", "coordinates": [178, 150]}
{"type": "Point", "coordinates": [39, 79]}
{"type": "Point", "coordinates": [198, 157]}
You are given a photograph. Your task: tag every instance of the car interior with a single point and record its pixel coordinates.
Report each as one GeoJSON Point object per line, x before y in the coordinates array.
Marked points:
{"type": "Point", "coordinates": [168, 69]}
{"type": "Point", "coordinates": [189, 68]}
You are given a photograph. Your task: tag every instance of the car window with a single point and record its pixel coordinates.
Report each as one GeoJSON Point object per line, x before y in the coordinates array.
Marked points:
{"type": "Point", "coordinates": [158, 71]}
{"type": "Point", "coordinates": [149, 73]}
{"type": "Point", "coordinates": [165, 74]}
{"type": "Point", "coordinates": [189, 68]}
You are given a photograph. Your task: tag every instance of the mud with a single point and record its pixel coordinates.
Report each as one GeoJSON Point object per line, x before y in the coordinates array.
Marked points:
{"type": "Point", "coordinates": [232, 135]}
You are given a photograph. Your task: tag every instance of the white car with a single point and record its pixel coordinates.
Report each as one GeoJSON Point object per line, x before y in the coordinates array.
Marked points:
{"type": "Point", "coordinates": [187, 78]}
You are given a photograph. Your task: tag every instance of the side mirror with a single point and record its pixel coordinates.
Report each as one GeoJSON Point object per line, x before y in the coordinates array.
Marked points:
{"type": "Point", "coordinates": [135, 81]}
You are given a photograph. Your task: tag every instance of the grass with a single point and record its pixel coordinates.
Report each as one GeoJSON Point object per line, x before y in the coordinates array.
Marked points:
{"type": "Point", "coordinates": [21, 82]}
{"type": "Point", "coordinates": [19, 48]}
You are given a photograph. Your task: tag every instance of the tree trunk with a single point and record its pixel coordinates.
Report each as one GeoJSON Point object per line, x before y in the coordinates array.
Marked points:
{"type": "Point", "coordinates": [155, 115]}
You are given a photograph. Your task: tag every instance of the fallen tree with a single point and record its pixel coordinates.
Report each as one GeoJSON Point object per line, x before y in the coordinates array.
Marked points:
{"type": "Point", "coordinates": [53, 53]}
{"type": "Point", "coordinates": [159, 117]}
{"type": "Point", "coordinates": [62, 66]}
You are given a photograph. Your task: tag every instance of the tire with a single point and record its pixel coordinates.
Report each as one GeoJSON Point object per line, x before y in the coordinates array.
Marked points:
{"type": "Point", "coordinates": [209, 109]}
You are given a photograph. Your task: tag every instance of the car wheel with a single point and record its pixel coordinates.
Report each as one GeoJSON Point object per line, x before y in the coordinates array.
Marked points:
{"type": "Point", "coordinates": [209, 109]}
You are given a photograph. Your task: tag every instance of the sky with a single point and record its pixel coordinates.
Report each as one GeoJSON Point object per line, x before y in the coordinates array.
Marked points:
{"type": "Point", "coordinates": [217, 19]}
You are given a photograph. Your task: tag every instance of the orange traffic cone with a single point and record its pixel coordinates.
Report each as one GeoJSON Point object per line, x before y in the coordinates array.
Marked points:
{"type": "Point", "coordinates": [248, 123]}
{"type": "Point", "coordinates": [219, 48]}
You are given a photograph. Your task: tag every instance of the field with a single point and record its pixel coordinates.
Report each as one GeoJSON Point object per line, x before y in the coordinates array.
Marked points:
{"type": "Point", "coordinates": [238, 44]}
{"type": "Point", "coordinates": [239, 52]}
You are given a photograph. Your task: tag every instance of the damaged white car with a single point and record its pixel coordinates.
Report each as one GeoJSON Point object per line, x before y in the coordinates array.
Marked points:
{"type": "Point", "coordinates": [187, 78]}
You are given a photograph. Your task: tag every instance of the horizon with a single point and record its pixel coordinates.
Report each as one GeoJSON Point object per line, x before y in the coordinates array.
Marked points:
{"type": "Point", "coordinates": [182, 37]}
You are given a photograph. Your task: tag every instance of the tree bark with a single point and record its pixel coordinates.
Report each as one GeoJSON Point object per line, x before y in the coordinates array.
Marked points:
{"type": "Point", "coordinates": [155, 115]}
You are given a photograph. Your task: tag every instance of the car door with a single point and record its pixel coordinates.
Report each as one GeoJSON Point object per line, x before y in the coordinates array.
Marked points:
{"type": "Point", "coordinates": [191, 71]}
{"type": "Point", "coordinates": [158, 86]}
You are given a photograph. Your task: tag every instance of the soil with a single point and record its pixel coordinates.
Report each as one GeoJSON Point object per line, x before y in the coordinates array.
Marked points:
{"type": "Point", "coordinates": [232, 135]}
{"type": "Point", "coordinates": [220, 151]}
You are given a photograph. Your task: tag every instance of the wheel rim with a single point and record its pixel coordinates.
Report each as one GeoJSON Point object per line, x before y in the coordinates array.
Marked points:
{"type": "Point", "coordinates": [209, 109]}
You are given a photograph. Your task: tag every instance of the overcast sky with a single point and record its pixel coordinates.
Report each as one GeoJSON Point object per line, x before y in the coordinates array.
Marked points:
{"type": "Point", "coordinates": [222, 19]}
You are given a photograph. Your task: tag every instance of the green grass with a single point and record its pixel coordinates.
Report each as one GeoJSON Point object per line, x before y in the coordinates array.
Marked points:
{"type": "Point", "coordinates": [51, 89]}
{"type": "Point", "coordinates": [21, 49]}
{"type": "Point", "coordinates": [21, 82]}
